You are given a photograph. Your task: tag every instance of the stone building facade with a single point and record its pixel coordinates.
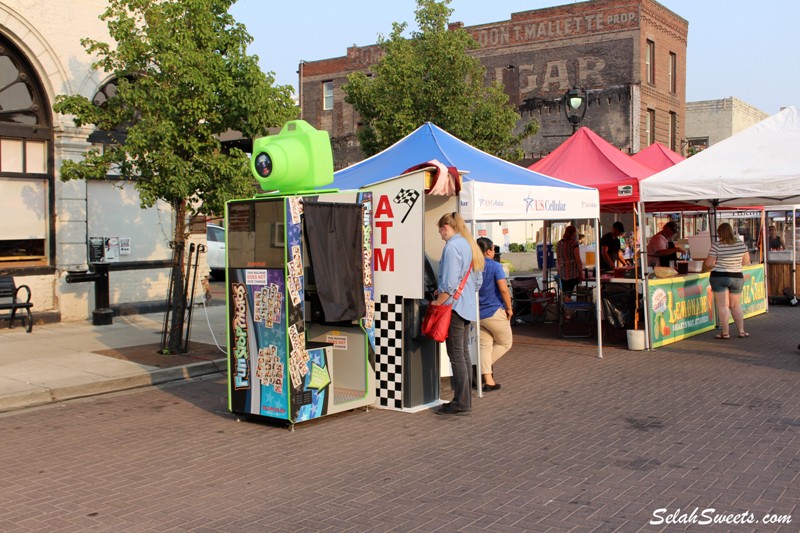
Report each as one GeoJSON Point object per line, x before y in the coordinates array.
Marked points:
{"type": "Point", "coordinates": [711, 121]}
{"type": "Point", "coordinates": [629, 55]}
{"type": "Point", "coordinates": [47, 223]}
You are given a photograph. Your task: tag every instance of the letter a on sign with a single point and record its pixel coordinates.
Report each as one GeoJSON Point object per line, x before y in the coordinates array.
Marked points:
{"type": "Point", "coordinates": [384, 208]}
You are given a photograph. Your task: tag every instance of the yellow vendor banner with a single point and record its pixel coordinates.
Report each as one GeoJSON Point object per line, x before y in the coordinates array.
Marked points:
{"type": "Point", "coordinates": [683, 306]}
{"type": "Point", "coordinates": [754, 292]}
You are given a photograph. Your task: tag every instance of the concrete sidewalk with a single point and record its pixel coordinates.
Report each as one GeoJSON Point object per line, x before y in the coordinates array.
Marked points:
{"type": "Point", "coordinates": [58, 362]}
{"type": "Point", "coordinates": [61, 361]}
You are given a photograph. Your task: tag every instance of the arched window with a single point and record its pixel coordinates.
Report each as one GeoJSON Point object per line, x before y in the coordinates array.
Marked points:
{"type": "Point", "coordinates": [105, 137]}
{"type": "Point", "coordinates": [26, 174]}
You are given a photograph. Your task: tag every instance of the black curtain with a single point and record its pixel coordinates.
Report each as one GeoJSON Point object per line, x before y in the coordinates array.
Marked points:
{"type": "Point", "coordinates": [334, 234]}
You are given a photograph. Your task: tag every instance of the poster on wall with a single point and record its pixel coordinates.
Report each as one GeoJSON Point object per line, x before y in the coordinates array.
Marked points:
{"type": "Point", "coordinates": [111, 249]}
{"type": "Point", "coordinates": [96, 249]}
{"type": "Point", "coordinates": [105, 249]}
{"type": "Point", "coordinates": [124, 246]}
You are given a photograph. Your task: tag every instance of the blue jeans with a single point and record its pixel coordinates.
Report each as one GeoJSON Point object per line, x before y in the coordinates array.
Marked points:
{"type": "Point", "coordinates": [458, 351]}
{"type": "Point", "coordinates": [725, 283]}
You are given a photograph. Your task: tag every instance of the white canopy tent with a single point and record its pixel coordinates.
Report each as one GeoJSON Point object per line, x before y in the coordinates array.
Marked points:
{"type": "Point", "coordinates": [757, 166]}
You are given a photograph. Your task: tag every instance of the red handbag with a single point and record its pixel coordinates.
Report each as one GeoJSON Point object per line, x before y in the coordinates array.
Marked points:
{"type": "Point", "coordinates": [436, 323]}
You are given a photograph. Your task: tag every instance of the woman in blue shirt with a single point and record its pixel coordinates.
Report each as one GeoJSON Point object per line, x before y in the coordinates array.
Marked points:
{"type": "Point", "coordinates": [496, 313]}
{"type": "Point", "coordinates": [460, 253]}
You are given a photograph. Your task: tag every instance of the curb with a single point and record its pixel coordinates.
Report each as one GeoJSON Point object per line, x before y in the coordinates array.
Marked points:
{"type": "Point", "coordinates": [45, 396]}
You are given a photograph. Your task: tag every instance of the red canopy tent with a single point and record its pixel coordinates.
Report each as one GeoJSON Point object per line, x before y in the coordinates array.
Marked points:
{"type": "Point", "coordinates": [658, 157]}
{"type": "Point", "coordinates": [588, 159]}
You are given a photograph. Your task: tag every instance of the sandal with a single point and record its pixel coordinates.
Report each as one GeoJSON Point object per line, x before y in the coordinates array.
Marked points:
{"type": "Point", "coordinates": [743, 335]}
{"type": "Point", "coordinates": [722, 336]}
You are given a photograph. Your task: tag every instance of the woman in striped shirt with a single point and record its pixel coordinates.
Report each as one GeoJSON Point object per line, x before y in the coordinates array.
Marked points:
{"type": "Point", "coordinates": [725, 260]}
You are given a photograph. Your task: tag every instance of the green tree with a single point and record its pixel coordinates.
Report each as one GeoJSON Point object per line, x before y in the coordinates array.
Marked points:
{"type": "Point", "coordinates": [431, 77]}
{"type": "Point", "coordinates": [184, 78]}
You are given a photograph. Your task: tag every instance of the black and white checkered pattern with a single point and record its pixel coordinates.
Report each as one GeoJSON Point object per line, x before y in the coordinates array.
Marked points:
{"type": "Point", "coordinates": [389, 351]}
{"type": "Point", "coordinates": [409, 197]}
{"type": "Point", "coordinates": [406, 196]}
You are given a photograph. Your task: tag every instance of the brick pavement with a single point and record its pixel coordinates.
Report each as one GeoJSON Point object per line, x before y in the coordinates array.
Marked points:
{"type": "Point", "coordinates": [570, 443]}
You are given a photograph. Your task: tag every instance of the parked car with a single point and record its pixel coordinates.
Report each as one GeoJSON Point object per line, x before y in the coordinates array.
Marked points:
{"type": "Point", "coordinates": [215, 255]}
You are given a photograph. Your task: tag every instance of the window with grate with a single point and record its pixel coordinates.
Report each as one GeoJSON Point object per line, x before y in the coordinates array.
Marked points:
{"type": "Point", "coordinates": [104, 138]}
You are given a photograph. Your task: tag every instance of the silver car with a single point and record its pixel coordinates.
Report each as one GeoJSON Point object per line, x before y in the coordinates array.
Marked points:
{"type": "Point", "coordinates": [215, 237]}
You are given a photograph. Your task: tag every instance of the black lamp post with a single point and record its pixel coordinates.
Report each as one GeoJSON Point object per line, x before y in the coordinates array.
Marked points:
{"type": "Point", "coordinates": [575, 103]}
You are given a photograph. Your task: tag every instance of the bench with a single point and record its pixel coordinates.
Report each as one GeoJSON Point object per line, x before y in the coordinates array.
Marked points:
{"type": "Point", "coordinates": [10, 301]}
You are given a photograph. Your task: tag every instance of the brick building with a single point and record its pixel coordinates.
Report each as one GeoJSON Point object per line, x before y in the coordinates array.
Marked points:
{"type": "Point", "coordinates": [629, 55]}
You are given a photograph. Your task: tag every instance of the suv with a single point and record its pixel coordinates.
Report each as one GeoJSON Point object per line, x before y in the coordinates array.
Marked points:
{"type": "Point", "coordinates": [215, 239]}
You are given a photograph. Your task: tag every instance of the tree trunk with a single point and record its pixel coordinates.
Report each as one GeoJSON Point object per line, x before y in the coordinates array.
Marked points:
{"type": "Point", "coordinates": [178, 296]}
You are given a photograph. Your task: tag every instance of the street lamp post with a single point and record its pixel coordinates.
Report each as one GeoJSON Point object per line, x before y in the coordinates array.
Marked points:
{"type": "Point", "coordinates": [575, 103]}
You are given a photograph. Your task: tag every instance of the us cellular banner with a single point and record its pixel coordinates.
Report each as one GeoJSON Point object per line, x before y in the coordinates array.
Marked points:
{"type": "Point", "coordinates": [498, 201]}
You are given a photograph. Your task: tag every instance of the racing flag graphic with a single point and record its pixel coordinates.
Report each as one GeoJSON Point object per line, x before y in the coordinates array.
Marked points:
{"type": "Point", "coordinates": [407, 196]}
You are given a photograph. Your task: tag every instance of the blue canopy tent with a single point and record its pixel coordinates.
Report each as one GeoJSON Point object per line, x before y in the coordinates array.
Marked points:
{"type": "Point", "coordinates": [492, 189]}
{"type": "Point", "coordinates": [499, 190]}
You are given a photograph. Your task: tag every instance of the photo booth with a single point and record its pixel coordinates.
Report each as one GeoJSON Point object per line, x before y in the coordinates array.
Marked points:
{"type": "Point", "coordinates": [300, 286]}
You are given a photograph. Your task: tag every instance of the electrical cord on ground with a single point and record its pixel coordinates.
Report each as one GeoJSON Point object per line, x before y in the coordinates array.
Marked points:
{"type": "Point", "coordinates": [210, 329]}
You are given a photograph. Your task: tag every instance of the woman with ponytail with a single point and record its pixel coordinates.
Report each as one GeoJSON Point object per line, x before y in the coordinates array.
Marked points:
{"type": "Point", "coordinates": [461, 258]}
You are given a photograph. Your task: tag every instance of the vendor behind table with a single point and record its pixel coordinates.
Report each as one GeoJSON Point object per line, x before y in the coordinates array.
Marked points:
{"type": "Point", "coordinates": [611, 248]}
{"type": "Point", "coordinates": [661, 250]}
{"type": "Point", "coordinates": [775, 240]}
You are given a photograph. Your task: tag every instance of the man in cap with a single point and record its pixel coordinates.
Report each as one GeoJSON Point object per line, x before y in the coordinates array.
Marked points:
{"type": "Point", "coordinates": [661, 250]}
{"type": "Point", "coordinates": [611, 248]}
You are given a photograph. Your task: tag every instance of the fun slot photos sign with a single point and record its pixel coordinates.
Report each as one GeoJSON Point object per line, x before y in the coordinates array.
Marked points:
{"type": "Point", "coordinates": [682, 307]}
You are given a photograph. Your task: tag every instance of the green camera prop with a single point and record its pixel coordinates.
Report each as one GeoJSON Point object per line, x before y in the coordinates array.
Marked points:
{"type": "Point", "coordinates": [299, 158]}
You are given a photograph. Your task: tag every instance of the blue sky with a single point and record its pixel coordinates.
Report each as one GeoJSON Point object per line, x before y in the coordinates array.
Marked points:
{"type": "Point", "coordinates": [740, 48]}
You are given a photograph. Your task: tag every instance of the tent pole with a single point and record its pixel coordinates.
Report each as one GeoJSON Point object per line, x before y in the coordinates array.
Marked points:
{"type": "Point", "coordinates": [713, 232]}
{"type": "Point", "coordinates": [763, 252]}
{"type": "Point", "coordinates": [597, 289]}
{"type": "Point", "coordinates": [793, 269]}
{"type": "Point", "coordinates": [478, 374]}
{"type": "Point", "coordinates": [643, 264]}
{"type": "Point", "coordinates": [635, 270]}
{"type": "Point", "coordinates": [545, 265]}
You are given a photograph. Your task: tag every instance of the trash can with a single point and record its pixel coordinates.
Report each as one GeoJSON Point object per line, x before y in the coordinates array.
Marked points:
{"type": "Point", "coordinates": [551, 261]}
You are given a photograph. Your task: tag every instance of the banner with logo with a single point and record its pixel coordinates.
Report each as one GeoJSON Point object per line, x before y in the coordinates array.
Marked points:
{"type": "Point", "coordinates": [683, 306]}
{"type": "Point", "coordinates": [498, 201]}
{"type": "Point", "coordinates": [754, 292]}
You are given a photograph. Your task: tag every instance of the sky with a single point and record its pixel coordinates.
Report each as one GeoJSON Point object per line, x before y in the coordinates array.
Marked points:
{"type": "Point", "coordinates": [741, 48]}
